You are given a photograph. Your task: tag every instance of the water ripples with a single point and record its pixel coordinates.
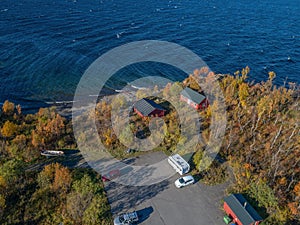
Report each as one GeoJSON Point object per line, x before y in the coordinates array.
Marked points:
{"type": "Point", "coordinates": [46, 46]}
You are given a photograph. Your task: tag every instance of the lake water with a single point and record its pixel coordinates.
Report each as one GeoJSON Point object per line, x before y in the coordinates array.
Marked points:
{"type": "Point", "coordinates": [47, 45]}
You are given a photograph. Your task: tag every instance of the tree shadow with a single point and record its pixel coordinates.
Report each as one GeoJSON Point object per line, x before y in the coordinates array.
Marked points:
{"type": "Point", "coordinates": [123, 198]}
{"type": "Point", "coordinates": [125, 170]}
{"type": "Point", "coordinates": [197, 177]}
{"type": "Point", "coordinates": [68, 152]}
{"type": "Point", "coordinates": [262, 211]}
{"type": "Point", "coordinates": [143, 134]}
{"type": "Point", "coordinates": [128, 161]}
{"type": "Point", "coordinates": [123, 166]}
{"type": "Point", "coordinates": [144, 213]}
{"type": "Point", "coordinates": [72, 159]}
{"type": "Point", "coordinates": [293, 222]}
{"type": "Point", "coordinates": [220, 159]}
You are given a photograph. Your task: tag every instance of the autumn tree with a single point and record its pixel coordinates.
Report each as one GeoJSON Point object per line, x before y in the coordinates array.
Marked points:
{"type": "Point", "coordinates": [8, 108]}
{"type": "Point", "coordinates": [197, 157]}
{"type": "Point", "coordinates": [141, 94]}
{"type": "Point", "coordinates": [10, 173]}
{"type": "Point", "coordinates": [243, 93]}
{"type": "Point", "coordinates": [18, 146]}
{"type": "Point", "coordinates": [98, 212]}
{"type": "Point", "coordinates": [62, 179]}
{"type": "Point", "coordinates": [126, 135]}
{"type": "Point", "coordinates": [261, 141]}
{"type": "Point", "coordinates": [9, 129]}
{"type": "Point", "coordinates": [80, 199]}
{"type": "Point", "coordinates": [166, 90]}
{"type": "Point", "coordinates": [37, 139]}
{"type": "Point", "coordinates": [41, 207]}
{"type": "Point", "coordinates": [118, 102]}
{"type": "Point", "coordinates": [175, 90]}
{"type": "Point", "coordinates": [55, 177]}
{"type": "Point", "coordinates": [49, 129]}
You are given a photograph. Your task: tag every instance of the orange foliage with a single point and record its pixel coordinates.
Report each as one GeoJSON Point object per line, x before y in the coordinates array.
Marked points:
{"type": "Point", "coordinates": [37, 140]}
{"type": "Point", "coordinates": [49, 171]}
{"type": "Point", "coordinates": [247, 166]}
{"type": "Point", "coordinates": [297, 189]}
{"type": "Point", "coordinates": [59, 176]}
{"type": "Point", "coordinates": [283, 181]}
{"type": "Point", "coordinates": [62, 178]}
{"type": "Point", "coordinates": [293, 208]}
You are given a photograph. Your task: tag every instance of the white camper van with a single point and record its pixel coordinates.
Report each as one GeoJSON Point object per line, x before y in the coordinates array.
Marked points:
{"type": "Point", "coordinates": [179, 164]}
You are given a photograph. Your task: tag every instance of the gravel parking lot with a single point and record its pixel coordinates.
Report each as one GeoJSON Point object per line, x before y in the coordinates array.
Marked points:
{"type": "Point", "coordinates": [164, 204]}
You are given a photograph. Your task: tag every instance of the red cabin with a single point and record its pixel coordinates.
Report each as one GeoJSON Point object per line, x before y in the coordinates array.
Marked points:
{"type": "Point", "coordinates": [146, 107]}
{"type": "Point", "coordinates": [193, 98]}
{"type": "Point", "coordinates": [240, 211]}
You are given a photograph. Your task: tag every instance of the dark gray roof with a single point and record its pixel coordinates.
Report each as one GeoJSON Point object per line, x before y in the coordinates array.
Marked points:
{"type": "Point", "coordinates": [146, 106]}
{"type": "Point", "coordinates": [195, 96]}
{"type": "Point", "coordinates": [247, 215]}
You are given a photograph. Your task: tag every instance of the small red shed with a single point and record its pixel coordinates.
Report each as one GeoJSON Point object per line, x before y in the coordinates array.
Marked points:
{"type": "Point", "coordinates": [146, 107]}
{"type": "Point", "coordinates": [241, 212]}
{"type": "Point", "coordinates": [193, 98]}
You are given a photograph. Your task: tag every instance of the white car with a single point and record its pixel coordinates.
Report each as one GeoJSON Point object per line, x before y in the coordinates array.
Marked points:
{"type": "Point", "coordinates": [126, 218]}
{"type": "Point", "coordinates": [184, 181]}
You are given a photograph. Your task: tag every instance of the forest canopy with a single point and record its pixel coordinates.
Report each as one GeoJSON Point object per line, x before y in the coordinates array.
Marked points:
{"type": "Point", "coordinates": [261, 145]}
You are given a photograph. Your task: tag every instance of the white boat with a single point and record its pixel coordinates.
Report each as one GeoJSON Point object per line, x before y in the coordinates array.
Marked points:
{"type": "Point", "coordinates": [52, 153]}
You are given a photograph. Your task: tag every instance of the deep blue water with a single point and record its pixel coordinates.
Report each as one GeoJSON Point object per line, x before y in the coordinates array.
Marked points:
{"type": "Point", "coordinates": [47, 45]}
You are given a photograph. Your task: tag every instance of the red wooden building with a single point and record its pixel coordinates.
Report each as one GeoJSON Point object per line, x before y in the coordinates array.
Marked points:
{"type": "Point", "coordinates": [193, 98]}
{"type": "Point", "coordinates": [146, 107]}
{"type": "Point", "coordinates": [241, 212]}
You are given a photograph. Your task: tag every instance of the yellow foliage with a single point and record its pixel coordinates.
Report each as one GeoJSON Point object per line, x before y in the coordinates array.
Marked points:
{"type": "Point", "coordinates": [9, 129]}
{"type": "Point", "coordinates": [8, 108]}
{"type": "Point", "coordinates": [272, 75]}
{"type": "Point", "coordinates": [263, 105]}
{"type": "Point", "coordinates": [2, 182]}
{"type": "Point", "coordinates": [245, 72]}
{"type": "Point", "coordinates": [193, 84]}
{"type": "Point", "coordinates": [243, 93]}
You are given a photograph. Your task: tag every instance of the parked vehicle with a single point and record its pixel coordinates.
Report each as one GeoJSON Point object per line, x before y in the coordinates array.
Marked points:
{"type": "Point", "coordinates": [184, 181]}
{"type": "Point", "coordinates": [126, 218]}
{"type": "Point", "coordinates": [179, 164]}
{"type": "Point", "coordinates": [111, 175]}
